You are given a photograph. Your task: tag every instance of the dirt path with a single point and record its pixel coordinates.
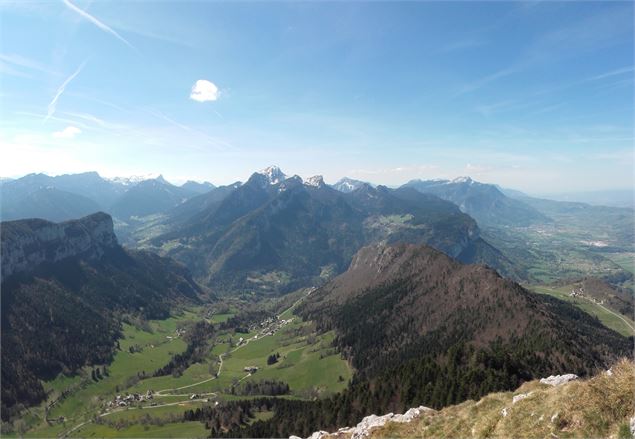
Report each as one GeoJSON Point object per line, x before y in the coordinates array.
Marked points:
{"type": "Point", "coordinates": [615, 314]}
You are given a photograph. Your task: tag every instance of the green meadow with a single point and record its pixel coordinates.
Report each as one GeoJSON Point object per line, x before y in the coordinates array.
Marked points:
{"type": "Point", "coordinates": [617, 322]}
{"type": "Point", "coordinates": [307, 362]}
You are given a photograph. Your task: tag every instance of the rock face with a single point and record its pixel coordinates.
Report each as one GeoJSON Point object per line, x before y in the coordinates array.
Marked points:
{"type": "Point", "coordinates": [27, 244]}
{"type": "Point", "coordinates": [366, 425]}
{"type": "Point", "coordinates": [556, 380]}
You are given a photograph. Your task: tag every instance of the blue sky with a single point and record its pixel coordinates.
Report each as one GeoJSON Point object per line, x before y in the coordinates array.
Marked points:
{"type": "Point", "coordinates": [531, 95]}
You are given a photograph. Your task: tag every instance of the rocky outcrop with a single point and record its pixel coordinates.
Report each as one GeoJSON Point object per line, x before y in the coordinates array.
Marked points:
{"type": "Point", "coordinates": [556, 380]}
{"type": "Point", "coordinates": [369, 423]}
{"type": "Point", "coordinates": [26, 244]}
{"type": "Point", "coordinates": [533, 410]}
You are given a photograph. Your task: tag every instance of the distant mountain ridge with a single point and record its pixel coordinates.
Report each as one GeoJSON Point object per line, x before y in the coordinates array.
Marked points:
{"type": "Point", "coordinates": [347, 185]}
{"type": "Point", "coordinates": [199, 188]}
{"type": "Point", "coordinates": [149, 197]}
{"type": "Point", "coordinates": [484, 202]}
{"type": "Point", "coordinates": [73, 196]}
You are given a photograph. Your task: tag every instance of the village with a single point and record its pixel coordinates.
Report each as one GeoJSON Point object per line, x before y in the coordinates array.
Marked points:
{"type": "Point", "coordinates": [130, 399]}
{"type": "Point", "coordinates": [269, 326]}
{"type": "Point", "coordinates": [178, 333]}
{"type": "Point", "coordinates": [580, 293]}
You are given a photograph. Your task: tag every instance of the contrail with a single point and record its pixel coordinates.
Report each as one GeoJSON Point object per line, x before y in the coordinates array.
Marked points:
{"type": "Point", "coordinates": [97, 23]}
{"type": "Point", "coordinates": [60, 90]}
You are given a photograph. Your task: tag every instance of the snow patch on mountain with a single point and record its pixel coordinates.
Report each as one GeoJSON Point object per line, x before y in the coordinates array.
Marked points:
{"type": "Point", "coordinates": [347, 185]}
{"type": "Point", "coordinates": [273, 174]}
{"type": "Point", "coordinates": [135, 179]}
{"type": "Point", "coordinates": [315, 181]}
{"type": "Point", "coordinates": [467, 180]}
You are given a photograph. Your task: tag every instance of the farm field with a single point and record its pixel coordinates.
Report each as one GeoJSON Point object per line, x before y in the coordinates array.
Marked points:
{"type": "Point", "coordinates": [625, 260]}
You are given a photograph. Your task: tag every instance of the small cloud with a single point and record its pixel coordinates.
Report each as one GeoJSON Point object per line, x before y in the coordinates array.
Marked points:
{"type": "Point", "coordinates": [67, 133]}
{"type": "Point", "coordinates": [204, 91]}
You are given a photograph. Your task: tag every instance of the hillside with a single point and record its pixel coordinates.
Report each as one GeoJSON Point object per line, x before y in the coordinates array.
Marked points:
{"type": "Point", "coordinates": [271, 235]}
{"type": "Point", "coordinates": [419, 328]}
{"type": "Point", "coordinates": [598, 407]}
{"type": "Point", "coordinates": [410, 295]}
{"type": "Point", "coordinates": [64, 288]}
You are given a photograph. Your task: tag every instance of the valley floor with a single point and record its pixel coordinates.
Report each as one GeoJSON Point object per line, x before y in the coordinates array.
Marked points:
{"type": "Point", "coordinates": [78, 406]}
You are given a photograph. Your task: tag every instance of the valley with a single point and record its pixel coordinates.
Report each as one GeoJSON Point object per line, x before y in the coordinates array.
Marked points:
{"type": "Point", "coordinates": [79, 406]}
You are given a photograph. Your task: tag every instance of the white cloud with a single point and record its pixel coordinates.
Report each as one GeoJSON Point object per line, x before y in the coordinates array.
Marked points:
{"type": "Point", "coordinates": [67, 133]}
{"type": "Point", "coordinates": [204, 91]}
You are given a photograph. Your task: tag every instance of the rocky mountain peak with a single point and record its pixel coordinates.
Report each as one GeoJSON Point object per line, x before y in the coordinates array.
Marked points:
{"type": "Point", "coordinates": [160, 179]}
{"type": "Point", "coordinates": [467, 180]}
{"type": "Point", "coordinates": [347, 185]}
{"type": "Point", "coordinates": [315, 181]}
{"type": "Point", "coordinates": [273, 174]}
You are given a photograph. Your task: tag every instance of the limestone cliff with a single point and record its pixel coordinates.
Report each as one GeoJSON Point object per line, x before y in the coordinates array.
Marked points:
{"type": "Point", "coordinates": [26, 244]}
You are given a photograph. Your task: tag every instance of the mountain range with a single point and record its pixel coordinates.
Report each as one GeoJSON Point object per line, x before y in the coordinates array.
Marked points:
{"type": "Point", "coordinates": [72, 196]}
{"type": "Point", "coordinates": [484, 202]}
{"type": "Point", "coordinates": [274, 234]}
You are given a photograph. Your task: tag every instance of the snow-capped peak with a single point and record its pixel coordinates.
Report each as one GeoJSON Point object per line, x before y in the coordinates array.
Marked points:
{"type": "Point", "coordinates": [135, 179]}
{"type": "Point", "coordinates": [347, 185]}
{"type": "Point", "coordinates": [274, 174]}
{"type": "Point", "coordinates": [315, 181]}
{"type": "Point", "coordinates": [463, 180]}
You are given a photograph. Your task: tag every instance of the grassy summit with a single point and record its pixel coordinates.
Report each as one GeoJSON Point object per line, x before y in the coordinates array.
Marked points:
{"type": "Point", "coordinates": [598, 407]}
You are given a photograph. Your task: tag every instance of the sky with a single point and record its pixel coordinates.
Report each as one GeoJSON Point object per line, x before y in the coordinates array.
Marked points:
{"type": "Point", "coordinates": [536, 96]}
